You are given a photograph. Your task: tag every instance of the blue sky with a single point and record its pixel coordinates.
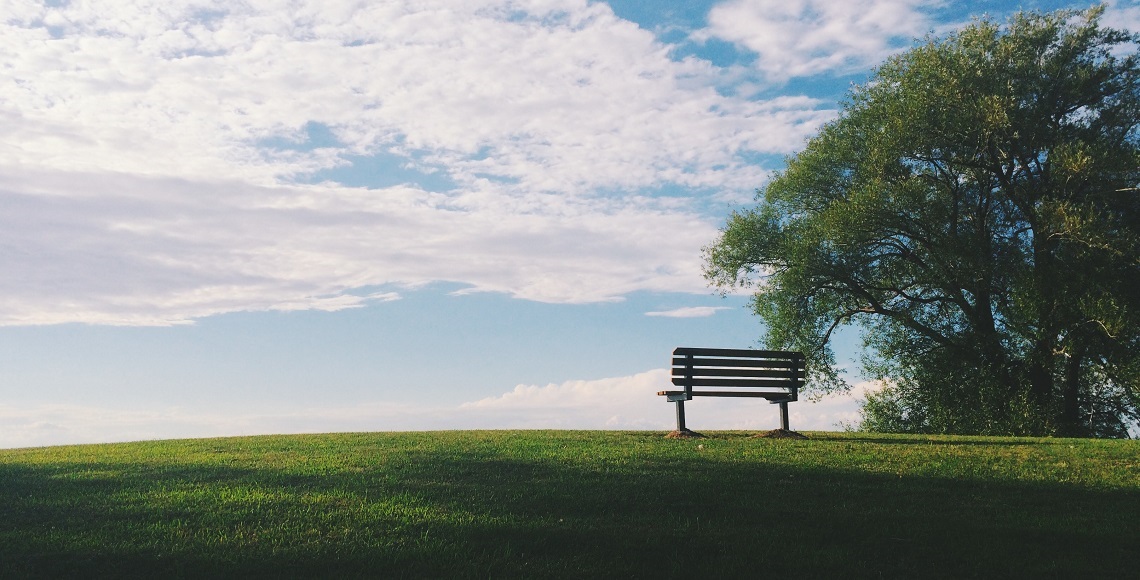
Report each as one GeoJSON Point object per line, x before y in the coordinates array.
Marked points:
{"type": "Point", "coordinates": [225, 218]}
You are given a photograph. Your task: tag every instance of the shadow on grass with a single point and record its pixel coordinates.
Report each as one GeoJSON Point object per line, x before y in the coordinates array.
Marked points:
{"type": "Point", "coordinates": [450, 513]}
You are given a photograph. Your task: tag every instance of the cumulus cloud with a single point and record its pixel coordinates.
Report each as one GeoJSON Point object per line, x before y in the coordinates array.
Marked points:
{"type": "Point", "coordinates": [158, 156]}
{"type": "Point", "coordinates": [632, 403]}
{"type": "Point", "coordinates": [799, 38]}
{"type": "Point", "coordinates": [627, 402]}
{"type": "Point", "coordinates": [623, 402]}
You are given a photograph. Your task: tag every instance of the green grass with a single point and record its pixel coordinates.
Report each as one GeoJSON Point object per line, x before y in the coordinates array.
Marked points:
{"type": "Point", "coordinates": [573, 504]}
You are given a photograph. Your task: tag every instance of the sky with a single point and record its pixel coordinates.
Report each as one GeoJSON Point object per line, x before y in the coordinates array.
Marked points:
{"type": "Point", "coordinates": [223, 218]}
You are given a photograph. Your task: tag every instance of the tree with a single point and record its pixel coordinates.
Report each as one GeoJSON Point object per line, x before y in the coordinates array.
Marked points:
{"type": "Point", "coordinates": [974, 210]}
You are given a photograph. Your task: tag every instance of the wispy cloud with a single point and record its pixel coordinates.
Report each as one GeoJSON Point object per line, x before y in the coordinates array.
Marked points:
{"type": "Point", "coordinates": [118, 249]}
{"type": "Point", "coordinates": [688, 312]}
{"type": "Point", "coordinates": [157, 155]}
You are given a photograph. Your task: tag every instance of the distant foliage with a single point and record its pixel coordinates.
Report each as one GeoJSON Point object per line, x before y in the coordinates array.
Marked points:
{"type": "Point", "coordinates": [974, 210]}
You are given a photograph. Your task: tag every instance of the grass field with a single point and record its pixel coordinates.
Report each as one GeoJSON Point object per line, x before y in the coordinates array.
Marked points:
{"type": "Point", "coordinates": [573, 504]}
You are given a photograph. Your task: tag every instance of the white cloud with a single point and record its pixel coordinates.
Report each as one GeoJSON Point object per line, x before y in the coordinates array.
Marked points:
{"type": "Point", "coordinates": [688, 312]}
{"type": "Point", "coordinates": [632, 403]}
{"type": "Point", "coordinates": [561, 94]}
{"type": "Point", "coordinates": [799, 38]}
{"type": "Point", "coordinates": [615, 403]}
{"type": "Point", "coordinates": [151, 149]}
{"type": "Point", "coordinates": [1123, 15]}
{"type": "Point", "coordinates": [129, 250]}
{"type": "Point", "coordinates": [609, 403]}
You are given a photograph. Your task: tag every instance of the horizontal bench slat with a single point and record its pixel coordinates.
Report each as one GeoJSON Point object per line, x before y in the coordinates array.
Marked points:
{"type": "Point", "coordinates": [736, 372]}
{"type": "Point", "coordinates": [735, 352]}
{"type": "Point", "coordinates": [721, 372]}
{"type": "Point", "coordinates": [735, 362]}
{"type": "Point", "coordinates": [759, 394]}
{"type": "Point", "coordinates": [745, 383]}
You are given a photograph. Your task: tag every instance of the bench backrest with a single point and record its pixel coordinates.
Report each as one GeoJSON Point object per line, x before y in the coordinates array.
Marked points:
{"type": "Point", "coordinates": [739, 369]}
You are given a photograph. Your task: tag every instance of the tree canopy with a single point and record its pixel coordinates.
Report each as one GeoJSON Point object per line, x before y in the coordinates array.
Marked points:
{"type": "Point", "coordinates": [974, 211]}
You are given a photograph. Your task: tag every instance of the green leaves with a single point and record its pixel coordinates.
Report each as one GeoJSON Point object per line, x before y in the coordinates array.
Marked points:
{"type": "Point", "coordinates": [974, 209]}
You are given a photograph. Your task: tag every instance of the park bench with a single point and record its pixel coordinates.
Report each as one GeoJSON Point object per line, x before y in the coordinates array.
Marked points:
{"type": "Point", "coordinates": [717, 372]}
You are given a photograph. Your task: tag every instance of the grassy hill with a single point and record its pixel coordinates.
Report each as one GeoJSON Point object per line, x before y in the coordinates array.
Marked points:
{"type": "Point", "coordinates": [573, 504]}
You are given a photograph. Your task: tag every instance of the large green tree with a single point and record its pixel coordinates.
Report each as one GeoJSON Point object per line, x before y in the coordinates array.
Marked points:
{"type": "Point", "coordinates": [974, 210]}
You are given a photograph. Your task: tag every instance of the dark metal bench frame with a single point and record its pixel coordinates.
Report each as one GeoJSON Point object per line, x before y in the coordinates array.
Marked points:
{"type": "Point", "coordinates": [776, 375]}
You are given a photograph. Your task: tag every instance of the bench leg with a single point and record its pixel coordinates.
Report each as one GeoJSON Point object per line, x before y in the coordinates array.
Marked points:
{"type": "Point", "coordinates": [681, 416]}
{"type": "Point", "coordinates": [784, 416]}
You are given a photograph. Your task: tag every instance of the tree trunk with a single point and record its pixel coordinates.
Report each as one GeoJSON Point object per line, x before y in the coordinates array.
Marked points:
{"type": "Point", "coordinates": [1070, 397]}
{"type": "Point", "coordinates": [1040, 374]}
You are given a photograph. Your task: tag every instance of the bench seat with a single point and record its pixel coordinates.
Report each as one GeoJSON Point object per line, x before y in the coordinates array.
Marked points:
{"type": "Point", "coordinates": [775, 375]}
